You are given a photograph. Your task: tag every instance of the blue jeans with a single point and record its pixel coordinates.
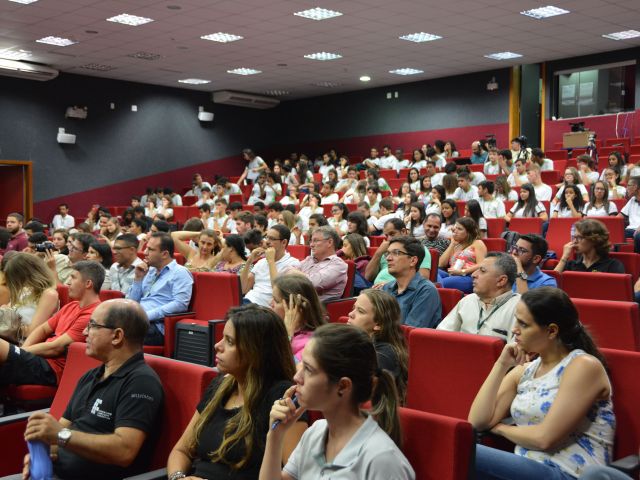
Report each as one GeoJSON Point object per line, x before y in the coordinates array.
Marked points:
{"type": "Point", "coordinates": [459, 282]}
{"type": "Point", "coordinates": [631, 233]}
{"type": "Point", "coordinates": [603, 473]}
{"type": "Point", "coordinates": [497, 464]}
{"type": "Point", "coordinates": [154, 336]}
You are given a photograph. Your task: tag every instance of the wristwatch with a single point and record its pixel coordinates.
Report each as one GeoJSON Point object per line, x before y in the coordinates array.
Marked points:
{"type": "Point", "coordinates": [63, 437]}
{"type": "Point", "coordinates": [177, 475]}
{"type": "Point", "coordinates": [522, 275]}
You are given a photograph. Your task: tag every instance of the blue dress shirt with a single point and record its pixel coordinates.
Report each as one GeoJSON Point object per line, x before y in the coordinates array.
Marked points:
{"type": "Point", "coordinates": [538, 279]}
{"type": "Point", "coordinates": [419, 303]}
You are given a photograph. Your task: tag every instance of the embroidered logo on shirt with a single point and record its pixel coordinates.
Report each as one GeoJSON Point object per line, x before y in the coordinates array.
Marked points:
{"type": "Point", "coordinates": [95, 410]}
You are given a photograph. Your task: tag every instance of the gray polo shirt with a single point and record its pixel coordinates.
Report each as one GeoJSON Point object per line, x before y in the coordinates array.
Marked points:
{"type": "Point", "coordinates": [370, 454]}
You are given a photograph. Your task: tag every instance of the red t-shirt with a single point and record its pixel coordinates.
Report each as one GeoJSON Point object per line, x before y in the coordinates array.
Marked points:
{"type": "Point", "coordinates": [72, 320]}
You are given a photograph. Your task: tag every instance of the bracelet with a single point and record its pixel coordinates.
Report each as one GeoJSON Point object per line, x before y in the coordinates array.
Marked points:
{"type": "Point", "coordinates": [177, 475]}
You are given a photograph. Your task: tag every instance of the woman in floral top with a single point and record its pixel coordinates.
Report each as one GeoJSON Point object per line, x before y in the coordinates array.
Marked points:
{"type": "Point", "coordinates": [563, 420]}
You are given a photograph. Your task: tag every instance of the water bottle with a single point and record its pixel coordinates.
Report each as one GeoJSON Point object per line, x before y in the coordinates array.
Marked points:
{"type": "Point", "coordinates": [40, 467]}
{"type": "Point", "coordinates": [573, 232]}
{"type": "Point", "coordinates": [459, 264]}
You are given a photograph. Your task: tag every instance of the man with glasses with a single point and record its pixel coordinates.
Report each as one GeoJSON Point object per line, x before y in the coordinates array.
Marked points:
{"type": "Point", "coordinates": [122, 272]}
{"type": "Point", "coordinates": [42, 357]}
{"type": "Point", "coordinates": [323, 267]}
{"type": "Point", "coordinates": [113, 413]}
{"type": "Point", "coordinates": [62, 265]}
{"type": "Point", "coordinates": [256, 283]}
{"type": "Point", "coordinates": [418, 298]}
{"type": "Point", "coordinates": [490, 309]}
{"type": "Point", "coordinates": [160, 285]}
{"type": "Point", "coordinates": [528, 253]}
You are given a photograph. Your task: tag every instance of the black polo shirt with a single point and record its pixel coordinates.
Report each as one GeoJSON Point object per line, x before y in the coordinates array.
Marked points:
{"type": "Point", "coordinates": [603, 265]}
{"type": "Point", "coordinates": [132, 397]}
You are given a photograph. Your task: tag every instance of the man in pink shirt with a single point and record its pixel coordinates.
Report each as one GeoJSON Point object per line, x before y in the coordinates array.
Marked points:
{"type": "Point", "coordinates": [42, 357]}
{"type": "Point", "coordinates": [18, 241]}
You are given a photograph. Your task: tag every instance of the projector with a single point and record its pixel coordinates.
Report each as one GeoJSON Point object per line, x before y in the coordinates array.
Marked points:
{"type": "Point", "coordinates": [64, 137]}
{"type": "Point", "coordinates": [76, 112]}
{"type": "Point", "coordinates": [204, 116]}
{"type": "Point", "coordinates": [492, 85]}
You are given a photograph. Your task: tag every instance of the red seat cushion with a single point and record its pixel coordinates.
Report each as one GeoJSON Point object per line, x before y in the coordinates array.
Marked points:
{"type": "Point", "coordinates": [29, 393]}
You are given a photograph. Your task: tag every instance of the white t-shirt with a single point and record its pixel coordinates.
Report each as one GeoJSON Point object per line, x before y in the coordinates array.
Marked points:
{"type": "Point", "coordinates": [261, 293]}
{"type": "Point", "coordinates": [445, 231]}
{"type": "Point", "coordinates": [418, 231]}
{"type": "Point", "coordinates": [67, 222]}
{"type": "Point", "coordinates": [378, 223]}
{"type": "Point", "coordinates": [491, 169]}
{"type": "Point", "coordinates": [562, 212]}
{"type": "Point", "coordinates": [513, 196]}
{"type": "Point", "coordinates": [471, 194]}
{"type": "Point", "coordinates": [519, 213]}
{"type": "Point", "coordinates": [581, 187]}
{"type": "Point", "coordinates": [620, 190]}
{"type": "Point", "coordinates": [437, 179]}
{"type": "Point", "coordinates": [589, 211]}
{"type": "Point", "coordinates": [511, 179]}
{"type": "Point", "coordinates": [388, 162]}
{"type": "Point", "coordinates": [492, 208]}
{"type": "Point", "coordinates": [329, 199]}
{"type": "Point", "coordinates": [482, 224]}
{"type": "Point", "coordinates": [632, 211]}
{"type": "Point", "coordinates": [547, 164]}
{"type": "Point", "coordinates": [255, 163]}
{"type": "Point", "coordinates": [477, 178]}
{"type": "Point", "coordinates": [543, 192]}
{"type": "Point", "coordinates": [342, 225]}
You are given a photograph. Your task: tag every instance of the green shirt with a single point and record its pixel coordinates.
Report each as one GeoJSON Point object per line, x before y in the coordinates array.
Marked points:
{"type": "Point", "coordinates": [384, 276]}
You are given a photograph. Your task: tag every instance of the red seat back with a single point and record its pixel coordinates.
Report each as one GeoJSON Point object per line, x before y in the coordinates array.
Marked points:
{"type": "Point", "coordinates": [438, 447]}
{"type": "Point", "coordinates": [435, 258]}
{"type": "Point", "coordinates": [603, 286]}
{"type": "Point", "coordinates": [339, 308]}
{"type": "Point", "coordinates": [495, 244]}
{"type": "Point", "coordinates": [351, 278]}
{"type": "Point", "coordinates": [631, 262]}
{"type": "Point", "coordinates": [550, 177]}
{"type": "Point", "coordinates": [110, 295]}
{"type": "Point", "coordinates": [556, 275]}
{"type": "Point", "coordinates": [615, 225]}
{"type": "Point", "coordinates": [559, 233]}
{"type": "Point", "coordinates": [526, 225]}
{"type": "Point", "coordinates": [495, 226]}
{"type": "Point", "coordinates": [183, 383]}
{"type": "Point", "coordinates": [623, 368]}
{"type": "Point", "coordinates": [612, 324]}
{"type": "Point", "coordinates": [299, 251]}
{"type": "Point", "coordinates": [446, 369]}
{"type": "Point", "coordinates": [376, 240]}
{"type": "Point", "coordinates": [221, 286]}
{"type": "Point", "coordinates": [182, 214]}
{"type": "Point", "coordinates": [388, 173]}
{"type": "Point", "coordinates": [449, 297]}
{"type": "Point", "coordinates": [63, 294]}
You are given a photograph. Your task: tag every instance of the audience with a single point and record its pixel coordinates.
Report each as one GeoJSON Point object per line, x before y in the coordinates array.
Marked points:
{"type": "Point", "coordinates": [122, 271]}
{"type": "Point", "coordinates": [41, 359]}
{"type": "Point", "coordinates": [489, 310]}
{"type": "Point", "coordinates": [378, 314]}
{"type": "Point", "coordinates": [226, 436]}
{"type": "Point", "coordinates": [160, 285]}
{"type": "Point", "coordinates": [110, 424]}
{"type": "Point", "coordinates": [340, 372]}
{"type": "Point", "coordinates": [418, 298]}
{"type": "Point", "coordinates": [553, 382]}
{"type": "Point", "coordinates": [462, 257]}
{"type": "Point", "coordinates": [529, 252]}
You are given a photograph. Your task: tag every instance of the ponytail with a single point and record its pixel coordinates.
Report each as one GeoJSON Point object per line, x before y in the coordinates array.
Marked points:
{"type": "Point", "coordinates": [384, 405]}
{"type": "Point", "coordinates": [580, 338]}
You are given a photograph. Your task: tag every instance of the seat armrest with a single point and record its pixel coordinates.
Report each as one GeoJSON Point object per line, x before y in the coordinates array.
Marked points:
{"type": "Point", "coordinates": [158, 474]}
{"type": "Point", "coordinates": [18, 417]}
{"type": "Point", "coordinates": [181, 314]}
{"type": "Point", "coordinates": [629, 465]}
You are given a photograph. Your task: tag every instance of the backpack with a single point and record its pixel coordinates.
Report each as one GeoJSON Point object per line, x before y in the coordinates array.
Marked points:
{"type": "Point", "coordinates": [511, 238]}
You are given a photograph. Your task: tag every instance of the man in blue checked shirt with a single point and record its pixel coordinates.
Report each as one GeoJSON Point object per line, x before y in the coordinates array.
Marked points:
{"type": "Point", "coordinates": [161, 286]}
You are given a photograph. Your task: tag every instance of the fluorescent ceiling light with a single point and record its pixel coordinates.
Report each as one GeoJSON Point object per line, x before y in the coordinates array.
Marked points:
{"type": "Point", "coordinates": [626, 35]}
{"type": "Point", "coordinates": [323, 56]}
{"type": "Point", "coordinates": [327, 84]}
{"type": "Point", "coordinates": [244, 71]}
{"type": "Point", "coordinates": [97, 66]}
{"type": "Point", "coordinates": [406, 71]}
{"type": "Point", "coordinates": [222, 37]}
{"type": "Point", "coordinates": [318, 13]}
{"type": "Point", "coordinates": [57, 41]}
{"type": "Point", "coordinates": [544, 12]}
{"type": "Point", "coordinates": [365, 78]}
{"type": "Point", "coordinates": [11, 54]}
{"type": "Point", "coordinates": [127, 19]}
{"type": "Point", "coordinates": [503, 55]}
{"type": "Point", "coordinates": [277, 93]}
{"type": "Point", "coordinates": [24, 2]}
{"type": "Point", "coordinates": [194, 81]}
{"type": "Point", "coordinates": [145, 55]}
{"type": "Point", "coordinates": [420, 37]}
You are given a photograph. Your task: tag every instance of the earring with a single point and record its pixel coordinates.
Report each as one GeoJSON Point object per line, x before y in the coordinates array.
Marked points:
{"type": "Point", "coordinates": [339, 393]}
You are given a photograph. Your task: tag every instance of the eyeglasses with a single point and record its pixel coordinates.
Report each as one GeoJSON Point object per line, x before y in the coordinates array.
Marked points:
{"type": "Point", "coordinates": [73, 248]}
{"type": "Point", "coordinates": [577, 238]}
{"type": "Point", "coordinates": [273, 239]}
{"type": "Point", "coordinates": [396, 253]}
{"type": "Point", "coordinates": [519, 250]}
{"type": "Point", "coordinates": [122, 248]}
{"type": "Point", "coordinates": [93, 324]}
{"type": "Point", "coordinates": [317, 240]}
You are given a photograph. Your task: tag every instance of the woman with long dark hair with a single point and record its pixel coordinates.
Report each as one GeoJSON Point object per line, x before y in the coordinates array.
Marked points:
{"type": "Point", "coordinates": [599, 204]}
{"type": "Point", "coordinates": [462, 257]}
{"type": "Point", "coordinates": [570, 205]}
{"type": "Point", "coordinates": [527, 205]}
{"type": "Point", "coordinates": [560, 402]}
{"type": "Point", "coordinates": [226, 436]}
{"type": "Point", "coordinates": [473, 210]}
{"type": "Point", "coordinates": [339, 373]}
{"type": "Point", "coordinates": [449, 214]}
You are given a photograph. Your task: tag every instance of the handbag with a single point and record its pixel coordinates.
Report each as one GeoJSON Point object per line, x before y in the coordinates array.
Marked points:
{"type": "Point", "coordinates": [10, 325]}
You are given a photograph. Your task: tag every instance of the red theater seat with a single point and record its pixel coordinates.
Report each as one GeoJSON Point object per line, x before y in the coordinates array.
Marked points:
{"type": "Point", "coordinates": [446, 370]}
{"type": "Point", "coordinates": [449, 297]}
{"type": "Point", "coordinates": [559, 233]}
{"type": "Point", "coordinates": [110, 295]}
{"type": "Point", "coordinates": [438, 447]}
{"type": "Point", "coordinates": [351, 277]}
{"type": "Point", "coordinates": [526, 225]}
{"type": "Point", "coordinates": [339, 308]}
{"type": "Point", "coordinates": [602, 286]}
{"type": "Point", "coordinates": [63, 294]}
{"type": "Point", "coordinates": [612, 324]}
{"type": "Point", "coordinates": [299, 251]}
{"type": "Point", "coordinates": [631, 262]}
{"type": "Point", "coordinates": [495, 226]}
{"type": "Point", "coordinates": [495, 244]}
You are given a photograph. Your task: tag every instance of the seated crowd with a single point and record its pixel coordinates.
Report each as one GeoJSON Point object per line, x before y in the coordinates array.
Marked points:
{"type": "Point", "coordinates": [363, 234]}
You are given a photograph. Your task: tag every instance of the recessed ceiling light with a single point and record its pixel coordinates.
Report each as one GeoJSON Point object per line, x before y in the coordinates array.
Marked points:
{"type": "Point", "coordinates": [24, 2]}
{"type": "Point", "coordinates": [222, 37]}
{"type": "Point", "coordinates": [244, 71]}
{"type": "Point", "coordinates": [420, 37]}
{"type": "Point", "coordinates": [11, 54]}
{"type": "Point", "coordinates": [127, 19]}
{"type": "Point", "coordinates": [174, 7]}
{"type": "Point", "coordinates": [97, 66]}
{"type": "Point", "coordinates": [318, 13]}
{"type": "Point", "coordinates": [194, 81]}
{"type": "Point", "coordinates": [544, 12]}
{"type": "Point", "coordinates": [627, 34]}
{"type": "Point", "coordinates": [406, 71]}
{"type": "Point", "coordinates": [323, 56]}
{"type": "Point", "coordinates": [327, 84]}
{"type": "Point", "coordinates": [365, 78]}
{"type": "Point", "coordinates": [145, 55]}
{"type": "Point", "coordinates": [503, 55]}
{"type": "Point", "coordinates": [277, 93]}
{"type": "Point", "coordinates": [91, 32]}
{"type": "Point", "coordinates": [57, 41]}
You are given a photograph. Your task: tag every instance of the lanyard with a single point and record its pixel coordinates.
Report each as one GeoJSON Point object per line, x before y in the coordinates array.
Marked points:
{"type": "Point", "coordinates": [482, 321]}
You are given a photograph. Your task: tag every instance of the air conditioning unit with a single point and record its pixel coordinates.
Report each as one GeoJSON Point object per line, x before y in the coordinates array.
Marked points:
{"type": "Point", "coordinates": [240, 99]}
{"type": "Point", "coordinates": [29, 71]}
